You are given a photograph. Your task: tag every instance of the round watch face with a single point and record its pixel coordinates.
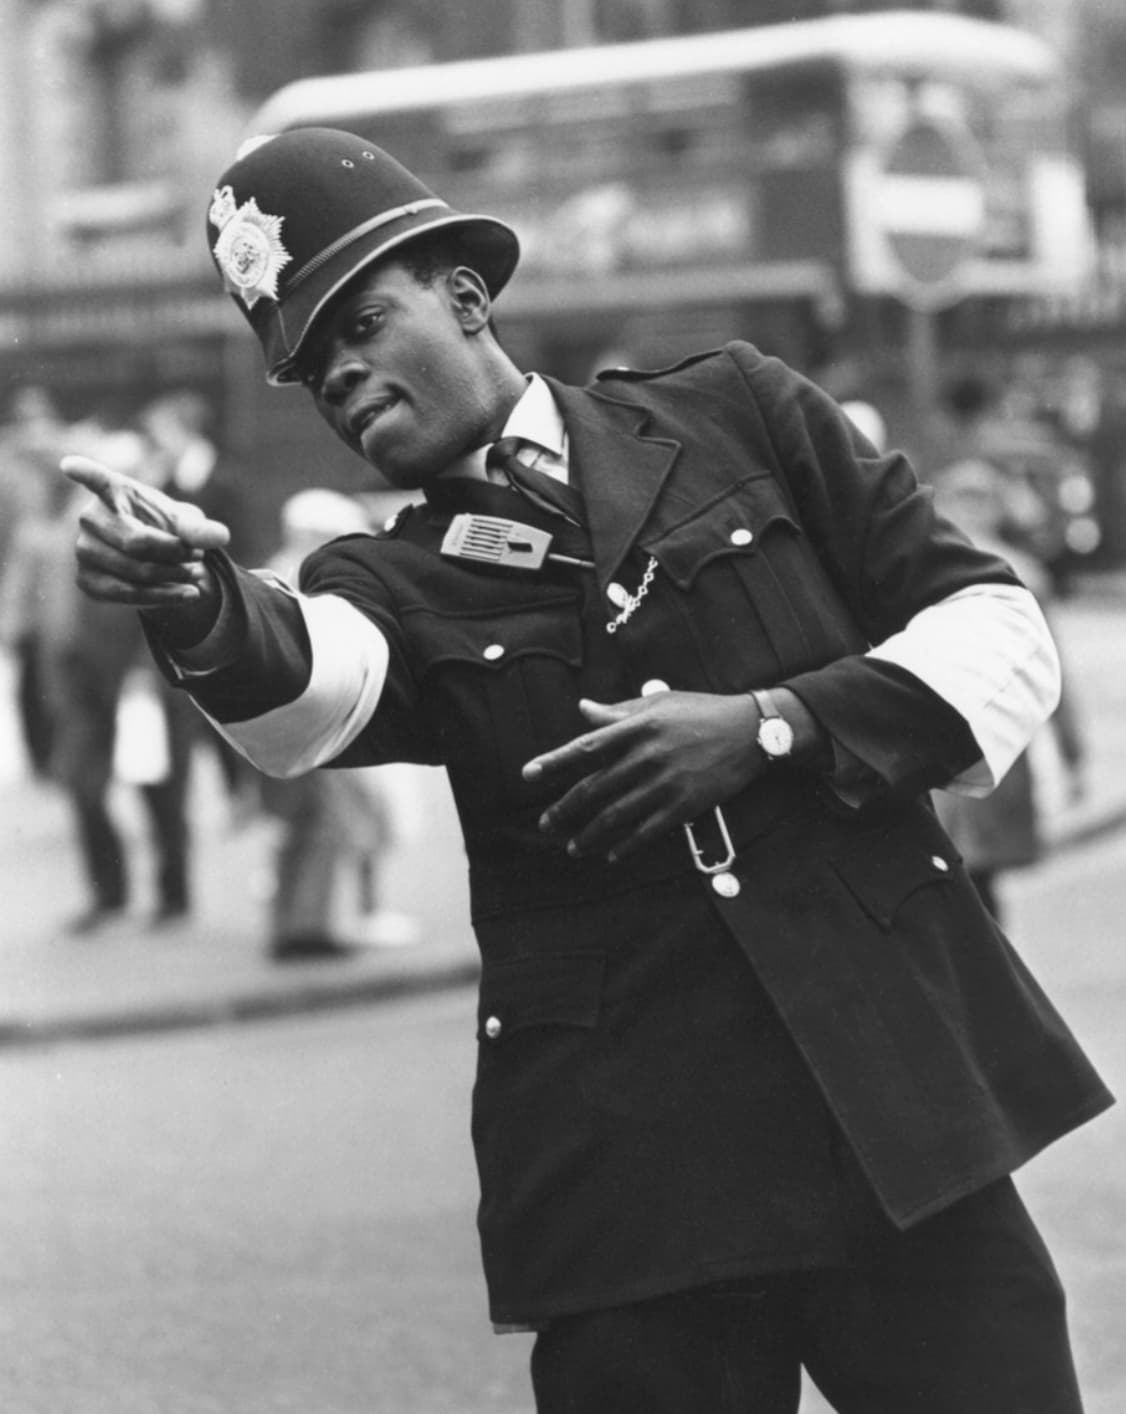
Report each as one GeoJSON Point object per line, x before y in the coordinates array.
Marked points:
{"type": "Point", "coordinates": [776, 736]}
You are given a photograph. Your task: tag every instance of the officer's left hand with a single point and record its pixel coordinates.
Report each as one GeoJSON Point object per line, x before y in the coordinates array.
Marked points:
{"type": "Point", "coordinates": [648, 765]}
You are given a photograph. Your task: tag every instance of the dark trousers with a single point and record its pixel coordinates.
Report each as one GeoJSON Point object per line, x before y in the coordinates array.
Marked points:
{"type": "Point", "coordinates": [103, 850]}
{"type": "Point", "coordinates": [964, 1314]}
{"type": "Point", "coordinates": [35, 717]}
{"type": "Point", "coordinates": [103, 853]}
{"type": "Point", "coordinates": [167, 811]}
{"type": "Point", "coordinates": [88, 742]}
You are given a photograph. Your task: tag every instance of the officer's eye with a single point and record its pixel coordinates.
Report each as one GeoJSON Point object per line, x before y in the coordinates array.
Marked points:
{"type": "Point", "coordinates": [367, 322]}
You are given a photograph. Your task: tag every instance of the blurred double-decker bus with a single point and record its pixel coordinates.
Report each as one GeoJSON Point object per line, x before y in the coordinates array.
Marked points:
{"type": "Point", "coordinates": [674, 193]}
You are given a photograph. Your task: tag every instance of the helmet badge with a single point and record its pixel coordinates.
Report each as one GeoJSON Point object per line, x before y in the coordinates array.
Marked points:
{"type": "Point", "coordinates": [249, 250]}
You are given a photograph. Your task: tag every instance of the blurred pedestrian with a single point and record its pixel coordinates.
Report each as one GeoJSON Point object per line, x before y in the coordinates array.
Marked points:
{"type": "Point", "coordinates": [88, 655]}
{"type": "Point", "coordinates": [1043, 475]}
{"type": "Point", "coordinates": [188, 462]}
{"type": "Point", "coordinates": [31, 443]}
{"type": "Point", "coordinates": [185, 460]}
{"type": "Point", "coordinates": [336, 826]}
{"type": "Point", "coordinates": [1004, 830]}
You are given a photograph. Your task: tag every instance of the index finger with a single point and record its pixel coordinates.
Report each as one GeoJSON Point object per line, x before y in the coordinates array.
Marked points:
{"type": "Point", "coordinates": [120, 494]}
{"type": "Point", "coordinates": [129, 499]}
{"type": "Point", "coordinates": [85, 471]}
{"type": "Point", "coordinates": [606, 717]}
{"type": "Point", "coordinates": [582, 754]}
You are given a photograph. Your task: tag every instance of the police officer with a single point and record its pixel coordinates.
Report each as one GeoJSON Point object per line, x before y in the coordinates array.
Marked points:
{"type": "Point", "coordinates": [754, 1064]}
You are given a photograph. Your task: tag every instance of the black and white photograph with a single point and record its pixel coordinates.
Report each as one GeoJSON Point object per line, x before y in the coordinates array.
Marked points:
{"type": "Point", "coordinates": [562, 706]}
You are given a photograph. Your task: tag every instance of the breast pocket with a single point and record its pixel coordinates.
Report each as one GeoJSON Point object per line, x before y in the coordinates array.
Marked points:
{"type": "Point", "coordinates": [500, 685]}
{"type": "Point", "coordinates": [756, 585]}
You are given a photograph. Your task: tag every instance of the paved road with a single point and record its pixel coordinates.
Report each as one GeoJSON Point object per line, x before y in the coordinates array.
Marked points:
{"type": "Point", "coordinates": [1068, 919]}
{"type": "Point", "coordinates": [268, 1219]}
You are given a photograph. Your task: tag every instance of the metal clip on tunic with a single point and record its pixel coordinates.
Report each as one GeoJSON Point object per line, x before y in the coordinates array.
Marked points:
{"type": "Point", "coordinates": [722, 880]}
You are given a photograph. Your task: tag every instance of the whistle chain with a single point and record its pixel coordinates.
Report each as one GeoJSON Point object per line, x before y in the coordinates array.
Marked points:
{"type": "Point", "coordinates": [633, 601]}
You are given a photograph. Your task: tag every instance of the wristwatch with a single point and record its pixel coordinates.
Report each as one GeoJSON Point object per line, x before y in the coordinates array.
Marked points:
{"type": "Point", "coordinates": [775, 735]}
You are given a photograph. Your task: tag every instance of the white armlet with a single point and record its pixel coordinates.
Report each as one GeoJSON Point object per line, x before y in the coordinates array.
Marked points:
{"type": "Point", "coordinates": [989, 653]}
{"type": "Point", "coordinates": [349, 668]}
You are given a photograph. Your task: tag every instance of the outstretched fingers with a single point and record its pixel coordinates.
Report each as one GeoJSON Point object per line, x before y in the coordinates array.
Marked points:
{"type": "Point", "coordinates": [136, 545]}
{"type": "Point", "coordinates": [125, 507]}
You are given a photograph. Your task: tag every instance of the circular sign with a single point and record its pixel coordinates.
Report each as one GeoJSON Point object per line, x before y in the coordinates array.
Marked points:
{"type": "Point", "coordinates": [931, 206]}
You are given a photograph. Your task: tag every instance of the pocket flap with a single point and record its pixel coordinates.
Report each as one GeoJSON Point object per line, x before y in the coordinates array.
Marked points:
{"type": "Point", "coordinates": [556, 989]}
{"type": "Point", "coordinates": [731, 524]}
{"type": "Point", "coordinates": [546, 628]}
{"type": "Point", "coordinates": [888, 873]}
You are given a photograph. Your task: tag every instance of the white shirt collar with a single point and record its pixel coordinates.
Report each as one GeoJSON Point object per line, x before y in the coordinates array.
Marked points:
{"type": "Point", "coordinates": [536, 418]}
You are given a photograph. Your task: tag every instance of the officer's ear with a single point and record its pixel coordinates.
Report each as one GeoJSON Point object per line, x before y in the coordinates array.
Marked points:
{"type": "Point", "coordinates": [470, 299]}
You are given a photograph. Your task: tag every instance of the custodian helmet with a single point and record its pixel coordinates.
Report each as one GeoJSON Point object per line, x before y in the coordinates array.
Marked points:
{"type": "Point", "coordinates": [297, 215]}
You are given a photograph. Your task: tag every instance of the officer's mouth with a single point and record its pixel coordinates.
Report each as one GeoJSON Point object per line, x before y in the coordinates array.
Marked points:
{"type": "Point", "coordinates": [368, 414]}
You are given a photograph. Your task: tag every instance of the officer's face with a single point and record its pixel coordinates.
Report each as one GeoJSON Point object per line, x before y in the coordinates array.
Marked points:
{"type": "Point", "coordinates": [396, 369]}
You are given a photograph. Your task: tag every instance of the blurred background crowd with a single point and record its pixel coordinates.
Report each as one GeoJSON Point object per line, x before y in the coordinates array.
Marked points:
{"type": "Point", "coordinates": [94, 715]}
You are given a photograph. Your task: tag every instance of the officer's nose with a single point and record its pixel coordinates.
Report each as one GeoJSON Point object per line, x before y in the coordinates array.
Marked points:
{"type": "Point", "coordinates": [343, 371]}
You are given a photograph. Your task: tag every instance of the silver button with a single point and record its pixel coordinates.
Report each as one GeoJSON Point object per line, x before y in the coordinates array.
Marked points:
{"type": "Point", "coordinates": [618, 595]}
{"type": "Point", "coordinates": [940, 863]}
{"type": "Point", "coordinates": [653, 686]}
{"type": "Point", "coordinates": [493, 1027]}
{"type": "Point", "coordinates": [494, 651]}
{"type": "Point", "coordinates": [742, 536]}
{"type": "Point", "coordinates": [726, 885]}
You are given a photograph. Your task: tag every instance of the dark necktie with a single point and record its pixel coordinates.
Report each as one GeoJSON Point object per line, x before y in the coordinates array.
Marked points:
{"type": "Point", "coordinates": [536, 486]}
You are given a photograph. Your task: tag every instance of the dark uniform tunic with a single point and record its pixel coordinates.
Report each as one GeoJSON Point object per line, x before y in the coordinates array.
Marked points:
{"type": "Point", "coordinates": [676, 1087]}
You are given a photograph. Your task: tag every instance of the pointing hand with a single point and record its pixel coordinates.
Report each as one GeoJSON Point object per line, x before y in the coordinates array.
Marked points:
{"type": "Point", "coordinates": [138, 546]}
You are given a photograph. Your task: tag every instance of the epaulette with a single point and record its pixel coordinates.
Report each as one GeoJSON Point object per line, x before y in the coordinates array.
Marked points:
{"type": "Point", "coordinates": [395, 522]}
{"type": "Point", "coordinates": [641, 375]}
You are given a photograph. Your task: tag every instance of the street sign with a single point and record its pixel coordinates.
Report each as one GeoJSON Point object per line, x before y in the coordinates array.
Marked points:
{"type": "Point", "coordinates": [930, 203]}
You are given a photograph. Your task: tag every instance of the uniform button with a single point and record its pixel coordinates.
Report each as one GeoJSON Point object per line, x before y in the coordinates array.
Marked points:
{"type": "Point", "coordinates": [618, 595]}
{"type": "Point", "coordinates": [653, 686]}
{"type": "Point", "coordinates": [493, 1027]}
{"type": "Point", "coordinates": [391, 522]}
{"type": "Point", "coordinates": [742, 536]}
{"type": "Point", "coordinates": [494, 651]}
{"type": "Point", "coordinates": [940, 863]}
{"type": "Point", "coordinates": [726, 885]}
